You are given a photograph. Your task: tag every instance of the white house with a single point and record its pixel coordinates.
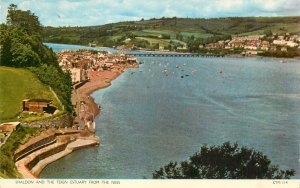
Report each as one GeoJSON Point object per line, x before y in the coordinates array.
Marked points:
{"type": "Point", "coordinates": [279, 42]}
{"type": "Point", "coordinates": [291, 44]}
{"type": "Point", "coordinates": [76, 75]}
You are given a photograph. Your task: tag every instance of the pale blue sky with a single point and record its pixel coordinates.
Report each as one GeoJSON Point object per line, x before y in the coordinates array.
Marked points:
{"type": "Point", "coordinates": [98, 12]}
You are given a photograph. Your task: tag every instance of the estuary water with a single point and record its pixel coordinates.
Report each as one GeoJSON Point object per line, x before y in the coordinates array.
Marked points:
{"type": "Point", "coordinates": [169, 107]}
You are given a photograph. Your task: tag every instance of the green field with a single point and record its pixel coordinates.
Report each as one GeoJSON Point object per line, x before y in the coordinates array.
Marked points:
{"type": "Point", "coordinates": [186, 27]}
{"type": "Point", "coordinates": [161, 42]}
{"type": "Point", "coordinates": [18, 84]}
{"type": "Point", "coordinates": [155, 33]}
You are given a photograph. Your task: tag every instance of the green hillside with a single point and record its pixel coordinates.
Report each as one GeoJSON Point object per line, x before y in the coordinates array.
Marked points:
{"type": "Point", "coordinates": [166, 29]}
{"type": "Point", "coordinates": [27, 69]}
{"type": "Point", "coordinates": [18, 84]}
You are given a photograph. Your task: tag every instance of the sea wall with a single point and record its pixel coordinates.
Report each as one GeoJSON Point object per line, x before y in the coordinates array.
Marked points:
{"type": "Point", "coordinates": [26, 150]}
{"type": "Point", "coordinates": [44, 139]}
{"type": "Point", "coordinates": [31, 165]}
{"type": "Point", "coordinates": [65, 120]}
{"type": "Point", "coordinates": [46, 154]}
{"type": "Point", "coordinates": [78, 85]}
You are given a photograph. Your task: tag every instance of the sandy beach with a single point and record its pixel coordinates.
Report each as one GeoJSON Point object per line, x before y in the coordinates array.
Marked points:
{"type": "Point", "coordinates": [98, 80]}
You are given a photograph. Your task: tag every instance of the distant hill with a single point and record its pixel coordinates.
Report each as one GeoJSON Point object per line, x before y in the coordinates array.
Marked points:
{"type": "Point", "coordinates": [18, 84]}
{"type": "Point", "coordinates": [163, 30]}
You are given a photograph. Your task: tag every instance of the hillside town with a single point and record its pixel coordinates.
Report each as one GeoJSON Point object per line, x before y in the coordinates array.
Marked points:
{"type": "Point", "coordinates": [255, 44]}
{"type": "Point", "coordinates": [81, 61]}
{"type": "Point", "coordinates": [91, 70]}
{"type": "Point", "coordinates": [247, 45]}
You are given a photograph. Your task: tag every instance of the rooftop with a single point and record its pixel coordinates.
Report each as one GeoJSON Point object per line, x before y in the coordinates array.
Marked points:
{"type": "Point", "coordinates": [38, 100]}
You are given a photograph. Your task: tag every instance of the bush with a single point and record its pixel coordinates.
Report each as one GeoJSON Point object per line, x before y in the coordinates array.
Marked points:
{"type": "Point", "coordinates": [18, 137]}
{"type": "Point", "coordinates": [224, 162]}
{"type": "Point", "coordinates": [140, 43]}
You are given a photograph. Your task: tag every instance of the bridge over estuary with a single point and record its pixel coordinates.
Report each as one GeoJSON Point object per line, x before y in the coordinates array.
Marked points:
{"type": "Point", "coordinates": [172, 55]}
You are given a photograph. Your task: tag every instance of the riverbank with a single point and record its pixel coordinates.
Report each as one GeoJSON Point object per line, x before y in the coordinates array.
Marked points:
{"type": "Point", "coordinates": [259, 56]}
{"type": "Point", "coordinates": [98, 80]}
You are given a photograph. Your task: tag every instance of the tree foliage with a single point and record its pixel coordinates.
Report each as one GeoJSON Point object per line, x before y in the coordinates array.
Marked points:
{"type": "Point", "coordinates": [179, 28]}
{"type": "Point", "coordinates": [268, 32]}
{"type": "Point", "coordinates": [291, 52]}
{"type": "Point", "coordinates": [224, 162]}
{"type": "Point", "coordinates": [19, 49]}
{"type": "Point", "coordinates": [59, 81]}
{"type": "Point", "coordinates": [140, 43]}
{"type": "Point", "coordinates": [25, 20]}
{"type": "Point", "coordinates": [17, 138]}
{"type": "Point", "coordinates": [21, 46]}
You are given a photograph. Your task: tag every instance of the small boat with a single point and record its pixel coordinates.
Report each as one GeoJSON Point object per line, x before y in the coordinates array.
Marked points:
{"type": "Point", "coordinates": [282, 61]}
{"type": "Point", "coordinates": [165, 71]}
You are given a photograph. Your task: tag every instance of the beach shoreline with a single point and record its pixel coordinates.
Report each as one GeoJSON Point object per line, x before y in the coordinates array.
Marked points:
{"type": "Point", "coordinates": [97, 80]}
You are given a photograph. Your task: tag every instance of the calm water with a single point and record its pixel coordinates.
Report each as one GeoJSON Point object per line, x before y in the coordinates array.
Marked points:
{"type": "Point", "coordinates": [149, 118]}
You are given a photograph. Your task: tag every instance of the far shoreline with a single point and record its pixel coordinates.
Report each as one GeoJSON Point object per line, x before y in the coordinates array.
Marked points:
{"type": "Point", "coordinates": [145, 50]}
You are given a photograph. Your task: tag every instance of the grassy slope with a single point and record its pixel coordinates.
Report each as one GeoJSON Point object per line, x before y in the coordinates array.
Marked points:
{"type": "Point", "coordinates": [161, 42]}
{"type": "Point", "coordinates": [209, 27]}
{"type": "Point", "coordinates": [200, 28]}
{"type": "Point", "coordinates": [16, 85]}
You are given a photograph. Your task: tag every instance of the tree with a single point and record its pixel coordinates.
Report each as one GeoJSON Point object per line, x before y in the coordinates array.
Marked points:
{"type": "Point", "coordinates": [19, 49]}
{"type": "Point", "coordinates": [21, 46]}
{"type": "Point", "coordinates": [165, 36]}
{"type": "Point", "coordinates": [179, 36]}
{"type": "Point", "coordinates": [193, 45]}
{"type": "Point", "coordinates": [224, 162]}
{"type": "Point", "coordinates": [155, 46]}
{"type": "Point", "coordinates": [24, 56]}
{"type": "Point", "coordinates": [268, 33]}
{"type": "Point", "coordinates": [25, 20]}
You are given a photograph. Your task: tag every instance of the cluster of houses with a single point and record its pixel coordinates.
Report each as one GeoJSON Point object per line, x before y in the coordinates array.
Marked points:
{"type": "Point", "coordinates": [258, 43]}
{"type": "Point", "coordinates": [81, 61]}
{"type": "Point", "coordinates": [128, 47]}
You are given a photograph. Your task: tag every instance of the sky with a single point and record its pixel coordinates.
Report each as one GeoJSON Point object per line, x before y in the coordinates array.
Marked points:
{"type": "Point", "coordinates": [99, 12]}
